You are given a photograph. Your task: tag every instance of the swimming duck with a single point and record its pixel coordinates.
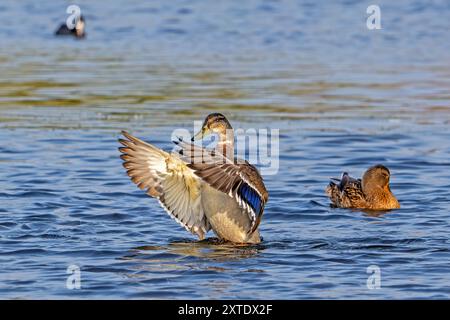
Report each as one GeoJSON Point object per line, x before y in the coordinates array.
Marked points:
{"type": "Point", "coordinates": [78, 31]}
{"type": "Point", "coordinates": [371, 192]}
{"type": "Point", "coordinates": [202, 189]}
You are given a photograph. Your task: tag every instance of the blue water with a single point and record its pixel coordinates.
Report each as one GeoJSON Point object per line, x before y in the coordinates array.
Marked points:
{"type": "Point", "coordinates": [344, 98]}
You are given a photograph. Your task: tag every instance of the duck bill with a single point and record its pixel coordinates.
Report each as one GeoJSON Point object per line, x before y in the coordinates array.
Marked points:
{"type": "Point", "coordinates": [201, 134]}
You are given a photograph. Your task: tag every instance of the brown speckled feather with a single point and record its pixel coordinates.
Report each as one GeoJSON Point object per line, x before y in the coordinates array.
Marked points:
{"type": "Point", "coordinates": [347, 194]}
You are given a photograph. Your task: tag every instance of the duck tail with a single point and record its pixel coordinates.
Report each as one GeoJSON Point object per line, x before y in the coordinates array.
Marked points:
{"type": "Point", "coordinates": [331, 189]}
{"type": "Point", "coordinates": [333, 192]}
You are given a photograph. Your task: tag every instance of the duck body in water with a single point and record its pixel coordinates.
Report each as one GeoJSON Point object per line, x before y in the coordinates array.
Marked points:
{"type": "Point", "coordinates": [78, 31]}
{"type": "Point", "coordinates": [372, 192]}
{"type": "Point", "coordinates": [202, 189]}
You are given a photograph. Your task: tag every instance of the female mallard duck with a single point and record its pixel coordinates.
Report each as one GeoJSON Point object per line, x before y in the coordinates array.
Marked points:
{"type": "Point", "coordinates": [372, 192]}
{"type": "Point", "coordinates": [201, 189]}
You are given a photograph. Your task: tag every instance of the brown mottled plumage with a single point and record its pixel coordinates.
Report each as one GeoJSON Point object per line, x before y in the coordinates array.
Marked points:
{"type": "Point", "coordinates": [201, 189]}
{"type": "Point", "coordinates": [371, 192]}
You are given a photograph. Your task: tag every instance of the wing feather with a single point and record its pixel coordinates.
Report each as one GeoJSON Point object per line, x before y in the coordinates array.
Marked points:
{"type": "Point", "coordinates": [346, 193]}
{"type": "Point", "coordinates": [166, 177]}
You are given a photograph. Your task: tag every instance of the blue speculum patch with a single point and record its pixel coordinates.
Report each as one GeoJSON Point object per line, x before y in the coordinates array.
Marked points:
{"type": "Point", "coordinates": [250, 197]}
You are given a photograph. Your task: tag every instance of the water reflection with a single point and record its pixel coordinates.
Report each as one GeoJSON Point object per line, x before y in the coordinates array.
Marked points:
{"type": "Point", "coordinates": [376, 213]}
{"type": "Point", "coordinates": [210, 248]}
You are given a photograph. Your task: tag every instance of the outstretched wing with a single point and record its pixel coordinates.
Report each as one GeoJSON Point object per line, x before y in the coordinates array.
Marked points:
{"type": "Point", "coordinates": [166, 177]}
{"type": "Point", "coordinates": [240, 180]}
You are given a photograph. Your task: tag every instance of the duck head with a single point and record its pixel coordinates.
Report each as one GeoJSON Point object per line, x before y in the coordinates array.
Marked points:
{"type": "Point", "coordinates": [215, 123]}
{"type": "Point", "coordinates": [377, 176]}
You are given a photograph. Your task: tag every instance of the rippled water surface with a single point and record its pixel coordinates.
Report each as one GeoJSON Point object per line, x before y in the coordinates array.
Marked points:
{"type": "Point", "coordinates": [343, 97]}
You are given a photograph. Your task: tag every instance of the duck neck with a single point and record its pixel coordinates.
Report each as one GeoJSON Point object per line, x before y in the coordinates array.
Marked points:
{"type": "Point", "coordinates": [226, 144]}
{"type": "Point", "coordinates": [381, 196]}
